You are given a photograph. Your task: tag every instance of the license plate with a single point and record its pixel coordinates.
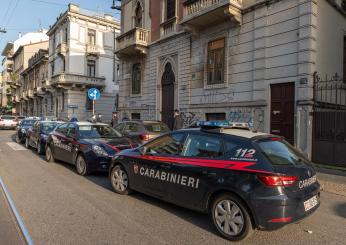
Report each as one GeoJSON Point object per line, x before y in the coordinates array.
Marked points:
{"type": "Point", "coordinates": [309, 204]}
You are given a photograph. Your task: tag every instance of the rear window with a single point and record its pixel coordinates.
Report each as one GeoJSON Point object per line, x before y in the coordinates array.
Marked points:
{"type": "Point", "coordinates": [7, 118]}
{"type": "Point", "coordinates": [28, 122]}
{"type": "Point", "coordinates": [156, 127]}
{"type": "Point", "coordinates": [279, 152]}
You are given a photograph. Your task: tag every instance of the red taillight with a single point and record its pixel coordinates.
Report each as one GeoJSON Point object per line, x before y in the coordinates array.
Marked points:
{"type": "Point", "coordinates": [275, 180]}
{"type": "Point", "coordinates": [144, 137]}
{"type": "Point", "coordinates": [275, 138]}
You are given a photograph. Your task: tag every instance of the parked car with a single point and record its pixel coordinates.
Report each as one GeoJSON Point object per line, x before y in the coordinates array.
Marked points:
{"type": "Point", "coordinates": [8, 122]}
{"type": "Point", "coordinates": [19, 119]}
{"type": "Point", "coordinates": [23, 127]}
{"type": "Point", "coordinates": [88, 146]}
{"type": "Point", "coordinates": [243, 179]}
{"type": "Point", "coordinates": [142, 131]}
{"type": "Point", "coordinates": [38, 134]}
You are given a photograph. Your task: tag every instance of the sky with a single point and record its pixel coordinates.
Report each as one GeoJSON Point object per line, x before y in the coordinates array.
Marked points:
{"type": "Point", "coordinates": [31, 15]}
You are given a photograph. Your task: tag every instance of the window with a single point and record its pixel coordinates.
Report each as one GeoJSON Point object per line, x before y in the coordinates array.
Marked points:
{"type": "Point", "coordinates": [91, 64]}
{"type": "Point", "coordinates": [52, 67]}
{"type": "Point", "coordinates": [136, 78]}
{"type": "Point", "coordinates": [215, 116]}
{"type": "Point", "coordinates": [170, 9]}
{"type": "Point", "coordinates": [131, 127]}
{"type": "Point", "coordinates": [120, 127]}
{"type": "Point", "coordinates": [62, 128]}
{"type": "Point", "coordinates": [118, 71]}
{"type": "Point", "coordinates": [91, 37]}
{"type": "Point", "coordinates": [63, 64]}
{"type": "Point", "coordinates": [138, 16]}
{"type": "Point", "coordinates": [62, 101]}
{"type": "Point", "coordinates": [166, 145]}
{"type": "Point", "coordinates": [71, 131]}
{"type": "Point", "coordinates": [343, 5]}
{"type": "Point", "coordinates": [88, 104]}
{"type": "Point", "coordinates": [135, 116]}
{"type": "Point", "coordinates": [203, 146]}
{"type": "Point", "coordinates": [344, 65]}
{"type": "Point", "coordinates": [51, 102]}
{"type": "Point", "coordinates": [66, 35]}
{"type": "Point", "coordinates": [215, 61]}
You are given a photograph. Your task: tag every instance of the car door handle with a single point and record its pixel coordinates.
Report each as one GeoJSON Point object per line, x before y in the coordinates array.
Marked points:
{"type": "Point", "coordinates": [165, 166]}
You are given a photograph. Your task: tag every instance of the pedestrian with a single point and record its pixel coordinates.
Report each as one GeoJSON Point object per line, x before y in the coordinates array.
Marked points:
{"type": "Point", "coordinates": [114, 120]}
{"type": "Point", "coordinates": [178, 121]}
{"type": "Point", "coordinates": [99, 117]}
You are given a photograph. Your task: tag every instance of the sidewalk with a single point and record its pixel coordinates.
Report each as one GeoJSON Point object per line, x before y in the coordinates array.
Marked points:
{"type": "Point", "coordinates": [333, 181]}
{"type": "Point", "coordinates": [9, 231]}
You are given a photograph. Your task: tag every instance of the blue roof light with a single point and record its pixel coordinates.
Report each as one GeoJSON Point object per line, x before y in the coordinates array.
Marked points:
{"type": "Point", "coordinates": [213, 124]}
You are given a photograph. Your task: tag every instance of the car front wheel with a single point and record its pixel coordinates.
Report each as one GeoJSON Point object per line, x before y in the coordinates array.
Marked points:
{"type": "Point", "coordinates": [81, 166]}
{"type": "Point", "coordinates": [231, 218]}
{"type": "Point", "coordinates": [120, 180]}
{"type": "Point", "coordinates": [49, 155]}
{"type": "Point", "coordinates": [27, 144]}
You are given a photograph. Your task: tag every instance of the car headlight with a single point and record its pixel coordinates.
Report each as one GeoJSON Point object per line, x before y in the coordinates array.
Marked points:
{"type": "Point", "coordinates": [99, 151]}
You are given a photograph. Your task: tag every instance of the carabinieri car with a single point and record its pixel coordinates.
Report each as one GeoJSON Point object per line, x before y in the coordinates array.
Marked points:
{"type": "Point", "coordinates": [245, 180]}
{"type": "Point", "coordinates": [89, 146]}
{"type": "Point", "coordinates": [37, 135]}
{"type": "Point", "coordinates": [23, 127]}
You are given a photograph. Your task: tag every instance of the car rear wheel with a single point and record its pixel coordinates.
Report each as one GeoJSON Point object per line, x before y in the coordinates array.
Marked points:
{"type": "Point", "coordinates": [27, 145]}
{"type": "Point", "coordinates": [39, 148]}
{"type": "Point", "coordinates": [231, 218]}
{"type": "Point", "coordinates": [49, 155]}
{"type": "Point", "coordinates": [81, 166]}
{"type": "Point", "coordinates": [120, 180]}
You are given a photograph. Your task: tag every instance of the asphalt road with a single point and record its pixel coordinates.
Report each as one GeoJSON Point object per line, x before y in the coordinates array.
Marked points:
{"type": "Point", "coordinates": [60, 207]}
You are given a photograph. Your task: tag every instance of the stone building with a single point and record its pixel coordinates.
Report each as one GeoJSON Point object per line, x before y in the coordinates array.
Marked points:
{"type": "Point", "coordinates": [240, 60]}
{"type": "Point", "coordinates": [81, 56]}
{"type": "Point", "coordinates": [7, 68]}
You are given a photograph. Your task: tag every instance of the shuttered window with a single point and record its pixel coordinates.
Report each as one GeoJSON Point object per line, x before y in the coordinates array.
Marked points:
{"type": "Point", "coordinates": [216, 61]}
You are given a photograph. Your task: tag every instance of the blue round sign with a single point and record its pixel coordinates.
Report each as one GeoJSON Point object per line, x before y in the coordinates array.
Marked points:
{"type": "Point", "coordinates": [94, 94]}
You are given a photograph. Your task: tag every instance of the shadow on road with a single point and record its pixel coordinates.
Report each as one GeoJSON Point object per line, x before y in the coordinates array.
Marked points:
{"type": "Point", "coordinates": [340, 210]}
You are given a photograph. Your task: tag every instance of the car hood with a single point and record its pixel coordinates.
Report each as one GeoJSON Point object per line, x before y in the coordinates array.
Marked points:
{"type": "Point", "coordinates": [120, 143]}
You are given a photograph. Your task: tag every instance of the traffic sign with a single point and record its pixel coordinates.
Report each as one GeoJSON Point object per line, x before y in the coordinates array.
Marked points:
{"type": "Point", "coordinates": [94, 94]}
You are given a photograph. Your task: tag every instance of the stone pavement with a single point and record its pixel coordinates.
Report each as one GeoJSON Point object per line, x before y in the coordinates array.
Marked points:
{"type": "Point", "coordinates": [333, 181]}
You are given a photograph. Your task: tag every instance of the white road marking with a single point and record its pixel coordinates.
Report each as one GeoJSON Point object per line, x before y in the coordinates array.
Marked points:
{"type": "Point", "coordinates": [15, 146]}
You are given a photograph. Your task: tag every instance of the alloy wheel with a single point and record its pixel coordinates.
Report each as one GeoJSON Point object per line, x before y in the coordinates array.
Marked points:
{"type": "Point", "coordinates": [229, 217]}
{"type": "Point", "coordinates": [119, 180]}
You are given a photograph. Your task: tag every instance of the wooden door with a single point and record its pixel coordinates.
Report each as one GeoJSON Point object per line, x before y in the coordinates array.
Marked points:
{"type": "Point", "coordinates": [282, 110]}
{"type": "Point", "coordinates": [168, 80]}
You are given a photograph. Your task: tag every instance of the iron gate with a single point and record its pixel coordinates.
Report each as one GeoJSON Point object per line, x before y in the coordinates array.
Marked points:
{"type": "Point", "coordinates": [329, 121]}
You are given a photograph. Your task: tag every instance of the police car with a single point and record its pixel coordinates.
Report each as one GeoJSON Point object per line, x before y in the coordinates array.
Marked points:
{"type": "Point", "coordinates": [89, 146]}
{"type": "Point", "coordinates": [245, 180]}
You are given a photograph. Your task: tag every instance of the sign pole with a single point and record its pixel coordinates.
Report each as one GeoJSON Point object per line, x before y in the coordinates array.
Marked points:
{"type": "Point", "coordinates": [93, 107]}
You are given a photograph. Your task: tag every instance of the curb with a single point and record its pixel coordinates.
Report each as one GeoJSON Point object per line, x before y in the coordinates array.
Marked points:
{"type": "Point", "coordinates": [335, 184]}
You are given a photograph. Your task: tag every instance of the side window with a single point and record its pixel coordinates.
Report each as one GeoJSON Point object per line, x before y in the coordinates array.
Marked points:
{"type": "Point", "coordinates": [62, 128]}
{"type": "Point", "coordinates": [171, 144]}
{"type": "Point", "coordinates": [120, 127]}
{"type": "Point", "coordinates": [71, 130]}
{"type": "Point", "coordinates": [203, 146]}
{"type": "Point", "coordinates": [131, 127]}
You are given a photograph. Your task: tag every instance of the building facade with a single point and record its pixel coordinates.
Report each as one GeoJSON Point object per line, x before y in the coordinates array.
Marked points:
{"type": "Point", "coordinates": [81, 56]}
{"type": "Point", "coordinates": [7, 68]}
{"type": "Point", "coordinates": [239, 60]}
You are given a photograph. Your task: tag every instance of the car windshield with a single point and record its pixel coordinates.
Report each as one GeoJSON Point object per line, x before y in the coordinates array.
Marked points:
{"type": "Point", "coordinates": [27, 122]}
{"type": "Point", "coordinates": [279, 152]}
{"type": "Point", "coordinates": [156, 127]}
{"type": "Point", "coordinates": [48, 127]}
{"type": "Point", "coordinates": [97, 131]}
{"type": "Point", "coordinates": [7, 118]}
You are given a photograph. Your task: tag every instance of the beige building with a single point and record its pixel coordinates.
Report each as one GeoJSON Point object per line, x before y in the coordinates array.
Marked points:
{"type": "Point", "coordinates": [81, 56]}
{"type": "Point", "coordinates": [7, 68]}
{"type": "Point", "coordinates": [239, 60]}
{"type": "Point", "coordinates": [23, 95]}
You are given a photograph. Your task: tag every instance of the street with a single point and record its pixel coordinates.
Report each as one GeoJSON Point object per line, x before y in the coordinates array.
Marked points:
{"type": "Point", "coordinates": [60, 207]}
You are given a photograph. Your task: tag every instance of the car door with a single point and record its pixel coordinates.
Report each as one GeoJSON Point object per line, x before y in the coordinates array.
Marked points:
{"type": "Point", "coordinates": [198, 167]}
{"type": "Point", "coordinates": [69, 142]}
{"type": "Point", "coordinates": [58, 137]}
{"type": "Point", "coordinates": [152, 169]}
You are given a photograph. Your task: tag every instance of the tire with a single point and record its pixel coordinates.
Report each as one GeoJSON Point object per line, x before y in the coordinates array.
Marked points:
{"type": "Point", "coordinates": [18, 139]}
{"type": "Point", "coordinates": [39, 148]}
{"type": "Point", "coordinates": [231, 217]}
{"type": "Point", "coordinates": [27, 144]}
{"type": "Point", "coordinates": [81, 165]}
{"type": "Point", "coordinates": [49, 155]}
{"type": "Point", "coordinates": [120, 180]}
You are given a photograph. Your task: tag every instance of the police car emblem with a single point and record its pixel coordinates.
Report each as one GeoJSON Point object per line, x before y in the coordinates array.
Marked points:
{"type": "Point", "coordinates": [135, 168]}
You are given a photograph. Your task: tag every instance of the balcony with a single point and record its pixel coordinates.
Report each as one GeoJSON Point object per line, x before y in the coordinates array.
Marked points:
{"type": "Point", "coordinates": [168, 27]}
{"type": "Point", "coordinates": [73, 80]}
{"type": "Point", "coordinates": [92, 49]}
{"type": "Point", "coordinates": [62, 49]}
{"type": "Point", "coordinates": [133, 42]}
{"type": "Point", "coordinates": [199, 14]}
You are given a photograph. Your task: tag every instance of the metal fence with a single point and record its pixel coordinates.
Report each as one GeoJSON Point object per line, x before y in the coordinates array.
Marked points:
{"type": "Point", "coordinates": [329, 120]}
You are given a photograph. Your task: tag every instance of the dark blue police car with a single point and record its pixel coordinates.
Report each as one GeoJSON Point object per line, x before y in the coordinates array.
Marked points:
{"type": "Point", "coordinates": [23, 127]}
{"type": "Point", "coordinates": [37, 135]}
{"type": "Point", "coordinates": [89, 146]}
{"type": "Point", "coordinates": [245, 180]}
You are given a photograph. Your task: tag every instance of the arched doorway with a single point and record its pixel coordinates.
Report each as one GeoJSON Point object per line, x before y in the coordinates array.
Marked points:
{"type": "Point", "coordinates": [167, 108]}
